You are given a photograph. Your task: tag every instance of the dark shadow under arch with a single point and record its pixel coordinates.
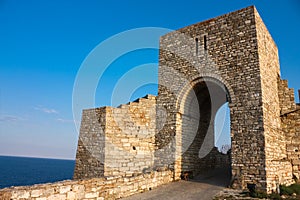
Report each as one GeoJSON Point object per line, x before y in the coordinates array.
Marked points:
{"type": "Point", "coordinates": [198, 109]}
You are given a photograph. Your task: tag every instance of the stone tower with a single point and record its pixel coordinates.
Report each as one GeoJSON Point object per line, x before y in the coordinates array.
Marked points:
{"type": "Point", "coordinates": [231, 58]}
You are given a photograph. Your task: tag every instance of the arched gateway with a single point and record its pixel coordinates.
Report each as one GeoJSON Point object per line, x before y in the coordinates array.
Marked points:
{"type": "Point", "coordinates": [231, 58]}
{"type": "Point", "coordinates": [195, 119]}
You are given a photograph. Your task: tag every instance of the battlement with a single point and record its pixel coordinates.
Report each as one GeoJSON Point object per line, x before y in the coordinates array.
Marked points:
{"type": "Point", "coordinates": [117, 141]}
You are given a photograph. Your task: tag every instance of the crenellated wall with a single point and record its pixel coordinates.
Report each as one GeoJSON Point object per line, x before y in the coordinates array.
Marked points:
{"type": "Point", "coordinates": [117, 141]}
{"type": "Point", "coordinates": [290, 123]}
{"type": "Point", "coordinates": [286, 97]}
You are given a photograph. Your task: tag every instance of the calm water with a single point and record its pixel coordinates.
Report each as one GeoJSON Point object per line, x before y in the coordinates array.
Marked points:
{"type": "Point", "coordinates": [16, 171]}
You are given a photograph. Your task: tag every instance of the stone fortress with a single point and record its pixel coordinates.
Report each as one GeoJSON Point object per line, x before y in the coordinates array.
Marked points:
{"type": "Point", "coordinates": [156, 139]}
{"type": "Point", "coordinates": [231, 58]}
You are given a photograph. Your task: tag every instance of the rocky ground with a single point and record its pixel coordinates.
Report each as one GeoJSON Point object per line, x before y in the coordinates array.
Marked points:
{"type": "Point", "coordinates": [230, 194]}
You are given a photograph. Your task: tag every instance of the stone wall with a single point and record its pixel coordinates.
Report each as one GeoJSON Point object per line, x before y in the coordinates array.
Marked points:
{"type": "Point", "coordinates": [291, 128]}
{"type": "Point", "coordinates": [117, 141]}
{"type": "Point", "coordinates": [227, 52]}
{"type": "Point", "coordinates": [129, 137]}
{"type": "Point", "coordinates": [215, 160]}
{"type": "Point", "coordinates": [274, 147]}
{"type": "Point", "coordinates": [93, 189]}
{"type": "Point", "coordinates": [91, 144]}
{"type": "Point", "coordinates": [290, 124]}
{"type": "Point", "coordinates": [286, 97]}
{"type": "Point", "coordinates": [231, 58]}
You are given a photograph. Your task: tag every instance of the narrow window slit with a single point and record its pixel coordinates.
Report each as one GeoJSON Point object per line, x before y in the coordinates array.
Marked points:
{"type": "Point", "coordinates": [205, 42]}
{"type": "Point", "coordinates": [197, 45]}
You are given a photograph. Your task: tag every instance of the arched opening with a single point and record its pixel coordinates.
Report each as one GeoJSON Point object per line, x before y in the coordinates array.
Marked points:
{"type": "Point", "coordinates": [222, 129]}
{"type": "Point", "coordinates": [204, 128]}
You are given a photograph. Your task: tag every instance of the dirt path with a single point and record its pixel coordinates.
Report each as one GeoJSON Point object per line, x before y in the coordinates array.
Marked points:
{"type": "Point", "coordinates": [204, 187]}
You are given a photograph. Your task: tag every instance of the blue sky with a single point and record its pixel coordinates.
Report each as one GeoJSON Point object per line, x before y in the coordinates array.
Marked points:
{"type": "Point", "coordinates": [44, 43]}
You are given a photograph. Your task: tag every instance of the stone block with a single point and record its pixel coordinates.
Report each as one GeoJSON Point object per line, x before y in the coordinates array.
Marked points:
{"type": "Point", "coordinates": [91, 195]}
{"type": "Point", "coordinates": [64, 189]}
{"type": "Point", "coordinates": [20, 194]}
{"type": "Point", "coordinates": [37, 193]}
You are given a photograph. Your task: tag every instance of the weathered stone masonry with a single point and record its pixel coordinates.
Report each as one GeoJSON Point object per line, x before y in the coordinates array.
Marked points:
{"type": "Point", "coordinates": [117, 141]}
{"type": "Point", "coordinates": [240, 56]}
{"type": "Point", "coordinates": [290, 122]}
{"type": "Point", "coordinates": [93, 189]}
{"type": "Point", "coordinates": [231, 58]}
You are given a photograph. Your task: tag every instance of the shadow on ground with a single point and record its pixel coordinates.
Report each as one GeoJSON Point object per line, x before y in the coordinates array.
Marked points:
{"type": "Point", "coordinates": [217, 177]}
{"type": "Point", "coordinates": [204, 186]}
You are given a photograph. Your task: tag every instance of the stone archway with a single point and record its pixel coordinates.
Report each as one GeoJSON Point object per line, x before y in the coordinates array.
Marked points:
{"type": "Point", "coordinates": [238, 50]}
{"type": "Point", "coordinates": [195, 144]}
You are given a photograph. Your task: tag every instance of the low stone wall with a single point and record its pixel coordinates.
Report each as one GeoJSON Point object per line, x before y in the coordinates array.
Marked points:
{"type": "Point", "coordinates": [96, 189]}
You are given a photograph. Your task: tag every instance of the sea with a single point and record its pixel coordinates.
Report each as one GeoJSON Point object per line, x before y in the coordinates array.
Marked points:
{"type": "Point", "coordinates": [19, 171]}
